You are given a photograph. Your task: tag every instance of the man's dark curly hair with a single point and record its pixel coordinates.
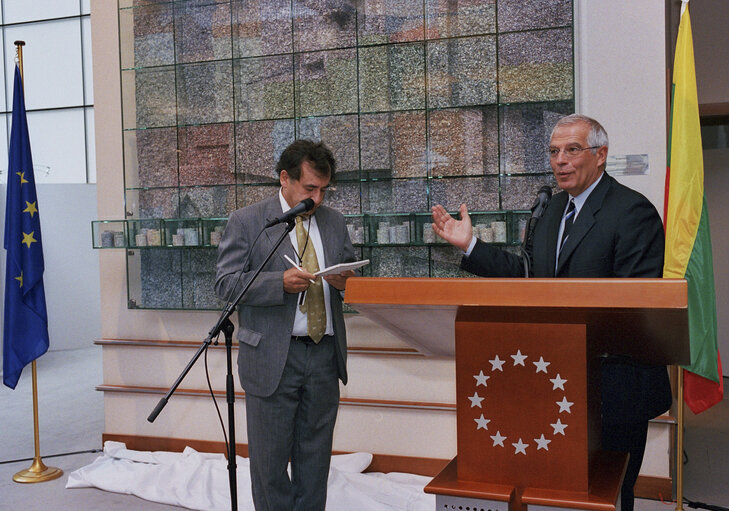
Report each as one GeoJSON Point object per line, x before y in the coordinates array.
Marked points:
{"type": "Point", "coordinates": [317, 154]}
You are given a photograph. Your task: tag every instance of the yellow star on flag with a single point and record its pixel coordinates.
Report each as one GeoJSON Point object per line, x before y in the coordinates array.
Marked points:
{"type": "Point", "coordinates": [20, 279]}
{"type": "Point", "coordinates": [31, 208]}
{"type": "Point", "coordinates": [28, 238]}
{"type": "Point", "coordinates": [22, 177]}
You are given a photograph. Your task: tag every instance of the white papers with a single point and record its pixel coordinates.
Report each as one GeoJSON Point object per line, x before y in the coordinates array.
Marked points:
{"type": "Point", "coordinates": [341, 267]}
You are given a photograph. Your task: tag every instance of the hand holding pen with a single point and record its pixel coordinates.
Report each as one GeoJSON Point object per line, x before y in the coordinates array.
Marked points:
{"type": "Point", "coordinates": [297, 279]}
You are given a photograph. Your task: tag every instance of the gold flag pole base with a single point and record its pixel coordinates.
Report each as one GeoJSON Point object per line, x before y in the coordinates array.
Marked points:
{"type": "Point", "coordinates": [37, 473]}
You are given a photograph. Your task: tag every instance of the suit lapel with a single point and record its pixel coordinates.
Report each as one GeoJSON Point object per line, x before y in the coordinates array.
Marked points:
{"type": "Point", "coordinates": [551, 226]}
{"type": "Point", "coordinates": [584, 221]}
{"type": "Point", "coordinates": [326, 234]}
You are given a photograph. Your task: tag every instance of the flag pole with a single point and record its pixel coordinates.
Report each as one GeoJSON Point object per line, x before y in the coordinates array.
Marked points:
{"type": "Point", "coordinates": [679, 443]}
{"type": "Point", "coordinates": [38, 472]}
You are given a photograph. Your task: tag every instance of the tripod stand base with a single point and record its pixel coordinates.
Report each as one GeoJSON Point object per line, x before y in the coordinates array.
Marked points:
{"type": "Point", "coordinates": [37, 473]}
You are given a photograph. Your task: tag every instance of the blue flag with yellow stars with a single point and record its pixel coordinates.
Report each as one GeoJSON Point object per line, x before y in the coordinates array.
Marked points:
{"type": "Point", "coordinates": [25, 333]}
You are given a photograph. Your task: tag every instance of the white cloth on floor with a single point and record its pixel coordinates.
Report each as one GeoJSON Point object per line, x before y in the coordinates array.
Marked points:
{"type": "Point", "coordinates": [200, 481]}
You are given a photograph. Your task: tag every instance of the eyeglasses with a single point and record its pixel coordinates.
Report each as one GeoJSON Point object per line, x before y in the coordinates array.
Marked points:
{"type": "Point", "coordinates": [570, 152]}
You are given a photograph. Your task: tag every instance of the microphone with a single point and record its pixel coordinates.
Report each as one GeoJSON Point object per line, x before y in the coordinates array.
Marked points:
{"type": "Point", "coordinates": [302, 207]}
{"type": "Point", "coordinates": [543, 196]}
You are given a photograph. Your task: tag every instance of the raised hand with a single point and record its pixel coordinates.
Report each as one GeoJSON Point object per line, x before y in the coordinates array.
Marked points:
{"type": "Point", "coordinates": [456, 232]}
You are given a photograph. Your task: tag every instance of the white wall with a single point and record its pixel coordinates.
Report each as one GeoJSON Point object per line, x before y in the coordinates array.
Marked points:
{"type": "Point", "coordinates": [71, 278]}
{"type": "Point", "coordinates": [716, 186]}
{"type": "Point", "coordinates": [620, 80]}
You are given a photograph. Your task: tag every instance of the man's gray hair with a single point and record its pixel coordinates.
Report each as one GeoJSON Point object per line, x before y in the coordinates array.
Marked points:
{"type": "Point", "coordinates": [597, 137]}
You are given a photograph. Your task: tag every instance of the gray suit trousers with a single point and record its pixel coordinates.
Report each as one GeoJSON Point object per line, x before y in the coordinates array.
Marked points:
{"type": "Point", "coordinates": [298, 418]}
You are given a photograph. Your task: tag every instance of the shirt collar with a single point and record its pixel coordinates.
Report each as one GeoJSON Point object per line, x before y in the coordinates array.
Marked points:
{"type": "Point", "coordinates": [582, 198]}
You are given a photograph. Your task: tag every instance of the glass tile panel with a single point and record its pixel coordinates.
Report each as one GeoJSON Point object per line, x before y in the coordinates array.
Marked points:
{"type": "Point", "coordinates": [261, 27]}
{"type": "Point", "coordinates": [154, 203]}
{"type": "Point", "coordinates": [446, 261]}
{"type": "Point", "coordinates": [399, 262]}
{"type": "Point", "coordinates": [148, 98]}
{"type": "Point", "coordinates": [390, 21]}
{"type": "Point", "coordinates": [399, 147]}
{"type": "Point", "coordinates": [536, 66]}
{"type": "Point", "coordinates": [393, 144]}
{"type": "Point", "coordinates": [264, 88]}
{"type": "Point", "coordinates": [463, 142]}
{"type": "Point", "coordinates": [326, 82]}
{"type": "Point", "coordinates": [392, 77]}
{"type": "Point", "coordinates": [531, 14]}
{"type": "Point", "coordinates": [161, 282]}
{"type": "Point", "coordinates": [344, 197]}
{"type": "Point", "coordinates": [478, 193]}
{"type": "Point", "coordinates": [258, 148]}
{"type": "Point", "coordinates": [247, 195]}
{"type": "Point", "coordinates": [207, 155]}
{"type": "Point", "coordinates": [205, 92]}
{"type": "Point", "coordinates": [147, 36]}
{"type": "Point", "coordinates": [339, 133]}
{"type": "Point", "coordinates": [525, 134]}
{"type": "Point", "coordinates": [396, 196]}
{"type": "Point", "coordinates": [150, 158]}
{"type": "Point", "coordinates": [446, 18]}
{"type": "Point", "coordinates": [202, 32]}
{"type": "Point", "coordinates": [198, 279]}
{"type": "Point", "coordinates": [519, 192]}
{"type": "Point", "coordinates": [207, 201]}
{"type": "Point", "coordinates": [323, 24]}
{"type": "Point", "coordinates": [462, 72]}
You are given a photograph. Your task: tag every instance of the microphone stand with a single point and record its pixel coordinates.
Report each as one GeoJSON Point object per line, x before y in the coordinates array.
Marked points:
{"type": "Point", "coordinates": [227, 328]}
{"type": "Point", "coordinates": [525, 249]}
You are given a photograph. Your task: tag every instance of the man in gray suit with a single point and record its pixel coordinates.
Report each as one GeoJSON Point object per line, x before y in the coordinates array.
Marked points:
{"type": "Point", "coordinates": [292, 341]}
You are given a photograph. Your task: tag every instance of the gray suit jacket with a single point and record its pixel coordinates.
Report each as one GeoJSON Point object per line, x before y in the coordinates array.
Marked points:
{"type": "Point", "coordinates": [266, 312]}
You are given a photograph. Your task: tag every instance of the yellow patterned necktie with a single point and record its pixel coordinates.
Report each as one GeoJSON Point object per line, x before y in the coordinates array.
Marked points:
{"type": "Point", "coordinates": [313, 306]}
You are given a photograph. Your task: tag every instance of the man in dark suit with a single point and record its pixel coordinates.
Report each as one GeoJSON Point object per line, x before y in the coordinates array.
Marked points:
{"type": "Point", "coordinates": [595, 228]}
{"type": "Point", "coordinates": [291, 333]}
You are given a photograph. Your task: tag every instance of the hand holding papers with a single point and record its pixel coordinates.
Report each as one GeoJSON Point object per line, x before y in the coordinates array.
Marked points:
{"type": "Point", "coordinates": [342, 267]}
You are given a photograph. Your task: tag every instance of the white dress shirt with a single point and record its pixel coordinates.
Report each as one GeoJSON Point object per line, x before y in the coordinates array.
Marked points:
{"type": "Point", "coordinates": [312, 228]}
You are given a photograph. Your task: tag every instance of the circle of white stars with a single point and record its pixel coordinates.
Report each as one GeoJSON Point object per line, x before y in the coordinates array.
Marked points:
{"type": "Point", "coordinates": [499, 440]}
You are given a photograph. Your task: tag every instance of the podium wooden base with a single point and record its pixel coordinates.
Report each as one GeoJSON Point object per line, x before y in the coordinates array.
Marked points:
{"type": "Point", "coordinates": [608, 471]}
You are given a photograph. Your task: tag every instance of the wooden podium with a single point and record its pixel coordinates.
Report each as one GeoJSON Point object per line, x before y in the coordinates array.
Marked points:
{"type": "Point", "coordinates": [527, 357]}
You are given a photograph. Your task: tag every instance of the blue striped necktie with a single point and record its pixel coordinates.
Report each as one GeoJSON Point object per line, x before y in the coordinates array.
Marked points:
{"type": "Point", "coordinates": [569, 217]}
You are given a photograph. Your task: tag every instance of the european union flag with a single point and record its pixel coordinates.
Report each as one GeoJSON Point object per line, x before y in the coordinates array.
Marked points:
{"type": "Point", "coordinates": [25, 334]}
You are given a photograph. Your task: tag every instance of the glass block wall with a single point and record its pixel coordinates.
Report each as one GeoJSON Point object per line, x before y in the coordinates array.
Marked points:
{"type": "Point", "coordinates": [422, 102]}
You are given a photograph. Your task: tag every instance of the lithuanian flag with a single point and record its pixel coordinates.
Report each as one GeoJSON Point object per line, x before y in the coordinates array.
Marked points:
{"type": "Point", "coordinates": [688, 242]}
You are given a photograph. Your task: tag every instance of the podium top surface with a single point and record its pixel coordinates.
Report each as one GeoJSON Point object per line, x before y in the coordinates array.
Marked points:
{"type": "Point", "coordinates": [549, 293]}
{"type": "Point", "coordinates": [423, 312]}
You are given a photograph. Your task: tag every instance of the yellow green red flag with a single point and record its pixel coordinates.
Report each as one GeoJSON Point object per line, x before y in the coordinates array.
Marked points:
{"type": "Point", "coordinates": [688, 242]}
